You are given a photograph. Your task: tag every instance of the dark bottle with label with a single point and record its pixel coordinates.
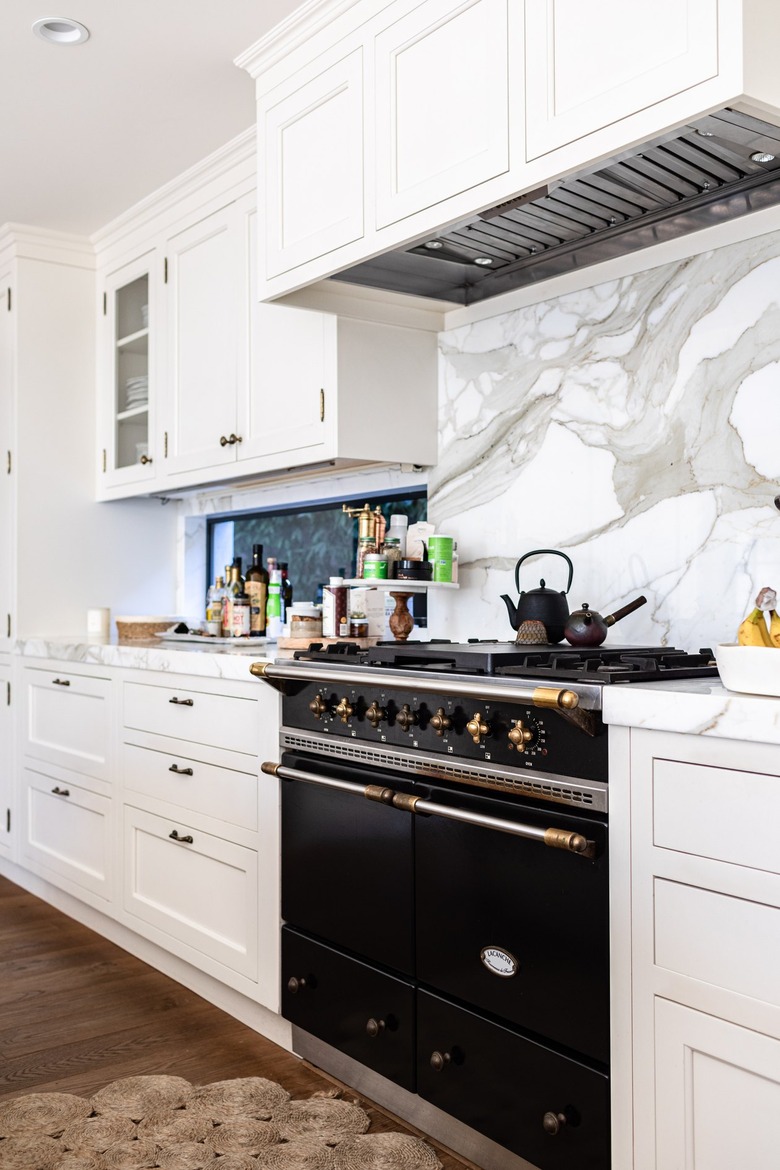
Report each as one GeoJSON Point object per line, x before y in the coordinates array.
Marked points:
{"type": "Point", "coordinates": [256, 587]}
{"type": "Point", "coordinates": [287, 589]}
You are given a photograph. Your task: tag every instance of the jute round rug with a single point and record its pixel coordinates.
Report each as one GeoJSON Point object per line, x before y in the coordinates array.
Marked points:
{"type": "Point", "coordinates": [139, 1123]}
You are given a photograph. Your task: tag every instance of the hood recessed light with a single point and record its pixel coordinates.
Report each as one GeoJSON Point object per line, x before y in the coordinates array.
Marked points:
{"type": "Point", "coordinates": [60, 30]}
{"type": "Point", "coordinates": [762, 156]}
{"type": "Point", "coordinates": [483, 261]}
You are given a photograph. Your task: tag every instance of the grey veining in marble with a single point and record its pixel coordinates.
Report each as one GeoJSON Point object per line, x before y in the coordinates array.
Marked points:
{"type": "Point", "coordinates": [634, 425]}
{"type": "Point", "coordinates": [229, 663]}
{"type": "Point", "coordinates": [695, 707]}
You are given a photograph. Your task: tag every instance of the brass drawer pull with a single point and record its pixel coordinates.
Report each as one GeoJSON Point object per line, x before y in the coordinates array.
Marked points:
{"type": "Point", "coordinates": [295, 985]}
{"type": "Point", "coordinates": [182, 702]}
{"type": "Point", "coordinates": [145, 459]}
{"type": "Point", "coordinates": [224, 441]}
{"type": "Point", "coordinates": [439, 1060]}
{"type": "Point", "coordinates": [61, 682]}
{"type": "Point", "coordinates": [375, 1027]}
{"type": "Point", "coordinates": [180, 771]}
{"type": "Point", "coordinates": [174, 836]}
{"type": "Point", "coordinates": [61, 791]}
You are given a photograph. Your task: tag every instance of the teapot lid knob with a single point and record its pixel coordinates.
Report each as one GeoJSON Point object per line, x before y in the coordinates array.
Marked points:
{"type": "Point", "coordinates": [542, 582]}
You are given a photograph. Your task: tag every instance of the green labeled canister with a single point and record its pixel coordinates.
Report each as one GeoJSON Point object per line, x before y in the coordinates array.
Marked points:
{"type": "Point", "coordinates": [440, 550]}
{"type": "Point", "coordinates": [375, 566]}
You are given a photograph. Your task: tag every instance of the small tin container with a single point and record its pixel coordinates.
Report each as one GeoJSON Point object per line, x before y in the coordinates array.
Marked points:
{"type": "Point", "coordinates": [375, 566]}
{"type": "Point", "coordinates": [358, 626]}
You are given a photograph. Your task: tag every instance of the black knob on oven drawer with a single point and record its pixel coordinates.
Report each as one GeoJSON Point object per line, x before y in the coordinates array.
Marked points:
{"type": "Point", "coordinates": [295, 985]}
{"type": "Point", "coordinates": [440, 1060]}
{"type": "Point", "coordinates": [553, 1123]}
{"type": "Point", "coordinates": [375, 1027]}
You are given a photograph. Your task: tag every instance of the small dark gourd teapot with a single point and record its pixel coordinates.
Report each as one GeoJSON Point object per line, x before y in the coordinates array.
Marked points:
{"type": "Point", "coordinates": [541, 605]}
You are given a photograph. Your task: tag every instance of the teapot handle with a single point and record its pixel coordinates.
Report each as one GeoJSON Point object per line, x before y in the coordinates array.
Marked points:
{"type": "Point", "coordinates": [537, 552]}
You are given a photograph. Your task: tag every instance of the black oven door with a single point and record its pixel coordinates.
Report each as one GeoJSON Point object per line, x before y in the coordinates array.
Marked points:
{"type": "Point", "coordinates": [348, 863]}
{"type": "Point", "coordinates": [512, 926]}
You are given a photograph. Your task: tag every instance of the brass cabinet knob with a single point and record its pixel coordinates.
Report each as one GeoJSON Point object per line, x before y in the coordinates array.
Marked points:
{"type": "Point", "coordinates": [375, 714]}
{"type": "Point", "coordinates": [375, 1027]}
{"type": "Point", "coordinates": [229, 440]}
{"type": "Point", "coordinates": [440, 722]}
{"type": "Point", "coordinates": [520, 735]}
{"type": "Point", "coordinates": [61, 791]}
{"type": "Point", "coordinates": [476, 728]}
{"type": "Point", "coordinates": [553, 1123]}
{"type": "Point", "coordinates": [295, 985]}
{"type": "Point", "coordinates": [406, 718]}
{"type": "Point", "coordinates": [145, 459]}
{"type": "Point", "coordinates": [317, 707]}
{"type": "Point", "coordinates": [174, 836]}
{"type": "Point", "coordinates": [345, 710]}
{"type": "Point", "coordinates": [440, 1060]}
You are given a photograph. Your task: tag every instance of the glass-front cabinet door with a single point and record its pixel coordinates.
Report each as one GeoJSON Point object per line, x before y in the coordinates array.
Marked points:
{"type": "Point", "coordinates": [127, 455]}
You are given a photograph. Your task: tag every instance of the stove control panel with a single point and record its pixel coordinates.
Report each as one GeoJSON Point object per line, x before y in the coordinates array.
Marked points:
{"type": "Point", "coordinates": [501, 732]}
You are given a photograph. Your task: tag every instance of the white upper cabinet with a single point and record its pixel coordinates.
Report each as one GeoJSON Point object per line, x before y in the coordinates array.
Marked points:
{"type": "Point", "coordinates": [441, 104]}
{"type": "Point", "coordinates": [312, 165]}
{"type": "Point", "coordinates": [7, 543]}
{"type": "Point", "coordinates": [589, 65]}
{"type": "Point", "coordinates": [204, 305]}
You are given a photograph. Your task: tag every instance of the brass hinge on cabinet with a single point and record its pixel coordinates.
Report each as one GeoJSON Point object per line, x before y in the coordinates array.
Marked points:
{"type": "Point", "coordinates": [104, 459]}
{"type": "Point", "coordinates": [166, 445]}
{"type": "Point", "coordinates": [322, 405]}
{"type": "Point", "coordinates": [165, 271]}
{"type": "Point", "coordinates": [105, 303]}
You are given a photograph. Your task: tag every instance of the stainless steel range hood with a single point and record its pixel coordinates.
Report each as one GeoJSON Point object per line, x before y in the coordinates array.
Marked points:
{"type": "Point", "coordinates": [715, 169]}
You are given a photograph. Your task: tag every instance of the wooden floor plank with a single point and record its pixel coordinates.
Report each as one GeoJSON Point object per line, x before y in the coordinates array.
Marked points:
{"type": "Point", "coordinates": [77, 1012]}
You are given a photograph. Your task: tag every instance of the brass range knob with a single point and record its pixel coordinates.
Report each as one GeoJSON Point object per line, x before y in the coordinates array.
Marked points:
{"type": "Point", "coordinates": [520, 735]}
{"type": "Point", "coordinates": [375, 1027]}
{"type": "Point", "coordinates": [440, 722]}
{"type": "Point", "coordinates": [317, 707]}
{"type": "Point", "coordinates": [406, 718]}
{"type": "Point", "coordinates": [440, 1060]}
{"type": "Point", "coordinates": [553, 1123]}
{"type": "Point", "coordinates": [345, 710]}
{"type": "Point", "coordinates": [375, 714]}
{"type": "Point", "coordinates": [476, 728]}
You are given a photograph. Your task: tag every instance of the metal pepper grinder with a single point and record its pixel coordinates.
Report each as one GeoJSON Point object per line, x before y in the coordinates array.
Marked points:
{"type": "Point", "coordinates": [371, 531]}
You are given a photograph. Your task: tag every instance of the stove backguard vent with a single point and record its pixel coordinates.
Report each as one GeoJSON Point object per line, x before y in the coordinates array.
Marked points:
{"type": "Point", "coordinates": [690, 179]}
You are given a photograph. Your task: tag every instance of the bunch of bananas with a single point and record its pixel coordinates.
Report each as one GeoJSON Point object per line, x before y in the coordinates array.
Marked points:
{"type": "Point", "coordinates": [754, 630]}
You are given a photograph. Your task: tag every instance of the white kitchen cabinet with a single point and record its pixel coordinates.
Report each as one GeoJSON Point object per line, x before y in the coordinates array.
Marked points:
{"type": "Point", "coordinates": [7, 757]}
{"type": "Point", "coordinates": [192, 891]}
{"type": "Point", "coordinates": [7, 534]}
{"type": "Point", "coordinates": [67, 720]}
{"type": "Point", "coordinates": [588, 66]}
{"type": "Point", "coordinates": [440, 131]}
{"type": "Point", "coordinates": [311, 163]}
{"type": "Point", "coordinates": [129, 328]}
{"type": "Point", "coordinates": [705, 951]}
{"type": "Point", "coordinates": [67, 832]}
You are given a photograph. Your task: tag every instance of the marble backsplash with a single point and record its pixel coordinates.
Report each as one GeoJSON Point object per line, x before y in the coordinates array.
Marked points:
{"type": "Point", "coordinates": [634, 425]}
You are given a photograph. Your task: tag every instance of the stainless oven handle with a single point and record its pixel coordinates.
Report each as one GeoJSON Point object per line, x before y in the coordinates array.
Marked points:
{"type": "Point", "coordinates": [566, 839]}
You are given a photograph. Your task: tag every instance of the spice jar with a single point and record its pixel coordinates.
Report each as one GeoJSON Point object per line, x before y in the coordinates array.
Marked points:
{"type": "Point", "coordinates": [358, 626]}
{"type": "Point", "coordinates": [334, 608]}
{"type": "Point", "coordinates": [392, 550]}
{"type": "Point", "coordinates": [305, 620]}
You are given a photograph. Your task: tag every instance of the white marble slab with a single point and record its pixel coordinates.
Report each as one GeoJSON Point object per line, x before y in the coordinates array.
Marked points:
{"type": "Point", "coordinates": [694, 707]}
{"type": "Point", "coordinates": [230, 662]}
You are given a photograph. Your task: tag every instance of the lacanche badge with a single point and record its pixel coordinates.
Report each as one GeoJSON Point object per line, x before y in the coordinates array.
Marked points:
{"type": "Point", "coordinates": [499, 962]}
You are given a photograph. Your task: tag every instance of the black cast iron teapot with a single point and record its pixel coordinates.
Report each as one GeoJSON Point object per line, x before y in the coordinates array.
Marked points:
{"type": "Point", "coordinates": [541, 605]}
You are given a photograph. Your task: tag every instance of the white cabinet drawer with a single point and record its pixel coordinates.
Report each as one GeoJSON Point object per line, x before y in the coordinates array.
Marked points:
{"type": "Point", "coordinates": [223, 721]}
{"type": "Point", "coordinates": [728, 942]}
{"type": "Point", "coordinates": [68, 720]}
{"type": "Point", "coordinates": [718, 813]}
{"type": "Point", "coordinates": [67, 832]}
{"type": "Point", "coordinates": [193, 784]}
{"type": "Point", "coordinates": [196, 895]}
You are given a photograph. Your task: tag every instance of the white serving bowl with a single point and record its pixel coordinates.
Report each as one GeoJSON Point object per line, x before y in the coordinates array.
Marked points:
{"type": "Point", "coordinates": [753, 670]}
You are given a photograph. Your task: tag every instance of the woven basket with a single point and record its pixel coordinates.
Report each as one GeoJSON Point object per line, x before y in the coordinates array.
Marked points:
{"type": "Point", "coordinates": [134, 629]}
{"type": "Point", "coordinates": [327, 1120]}
{"type": "Point", "coordinates": [41, 1113]}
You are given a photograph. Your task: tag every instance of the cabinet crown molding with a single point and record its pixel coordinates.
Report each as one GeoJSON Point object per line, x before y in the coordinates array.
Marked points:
{"type": "Point", "coordinates": [307, 20]}
{"type": "Point", "coordinates": [25, 242]}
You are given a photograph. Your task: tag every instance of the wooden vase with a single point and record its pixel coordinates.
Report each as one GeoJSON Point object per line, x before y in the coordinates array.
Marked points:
{"type": "Point", "coordinates": [401, 621]}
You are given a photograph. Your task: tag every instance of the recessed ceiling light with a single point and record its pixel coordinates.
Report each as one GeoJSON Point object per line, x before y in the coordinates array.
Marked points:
{"type": "Point", "coordinates": [483, 261]}
{"type": "Point", "coordinates": [705, 133]}
{"type": "Point", "coordinates": [60, 30]}
{"type": "Point", "coordinates": [762, 156]}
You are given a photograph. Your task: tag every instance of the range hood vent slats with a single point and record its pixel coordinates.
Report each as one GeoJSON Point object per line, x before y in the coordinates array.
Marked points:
{"type": "Point", "coordinates": [676, 184]}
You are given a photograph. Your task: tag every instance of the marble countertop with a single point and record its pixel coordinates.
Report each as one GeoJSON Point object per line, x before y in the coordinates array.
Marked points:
{"type": "Point", "coordinates": [696, 706]}
{"type": "Point", "coordinates": [229, 662]}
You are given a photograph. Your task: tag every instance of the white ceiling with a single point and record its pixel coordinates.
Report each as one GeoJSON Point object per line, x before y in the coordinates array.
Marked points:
{"type": "Point", "coordinates": [88, 130]}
